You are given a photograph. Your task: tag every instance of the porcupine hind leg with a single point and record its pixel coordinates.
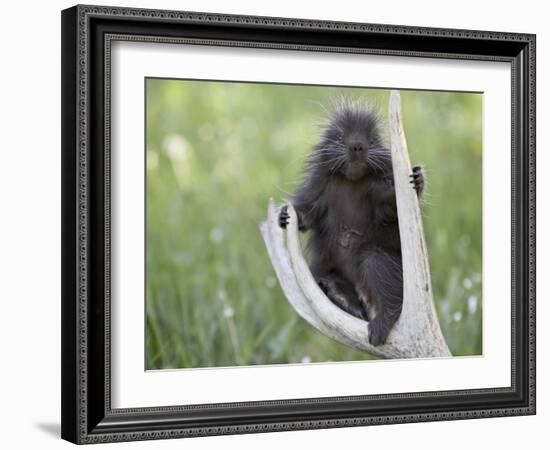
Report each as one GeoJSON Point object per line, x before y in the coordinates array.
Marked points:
{"type": "Point", "coordinates": [382, 284]}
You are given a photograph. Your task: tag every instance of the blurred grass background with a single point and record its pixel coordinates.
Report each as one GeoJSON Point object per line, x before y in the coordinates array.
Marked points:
{"type": "Point", "coordinates": [215, 154]}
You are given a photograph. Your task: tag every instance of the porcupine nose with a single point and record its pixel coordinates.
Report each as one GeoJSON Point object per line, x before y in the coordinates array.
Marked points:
{"type": "Point", "coordinates": [356, 146]}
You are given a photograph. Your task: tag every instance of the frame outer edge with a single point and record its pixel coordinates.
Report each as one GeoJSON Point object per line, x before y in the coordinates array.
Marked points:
{"type": "Point", "coordinates": [532, 143]}
{"type": "Point", "coordinates": [75, 185]}
{"type": "Point", "coordinates": [69, 290]}
{"type": "Point", "coordinates": [298, 23]}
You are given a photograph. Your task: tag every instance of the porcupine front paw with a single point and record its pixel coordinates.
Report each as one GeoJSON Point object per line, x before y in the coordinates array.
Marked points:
{"type": "Point", "coordinates": [417, 179]}
{"type": "Point", "coordinates": [284, 217]}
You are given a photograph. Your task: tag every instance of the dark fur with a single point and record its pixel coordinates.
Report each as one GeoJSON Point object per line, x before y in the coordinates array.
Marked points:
{"type": "Point", "coordinates": [347, 200]}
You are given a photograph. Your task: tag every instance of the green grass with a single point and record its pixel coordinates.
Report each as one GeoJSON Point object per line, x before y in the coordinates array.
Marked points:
{"type": "Point", "coordinates": [216, 152]}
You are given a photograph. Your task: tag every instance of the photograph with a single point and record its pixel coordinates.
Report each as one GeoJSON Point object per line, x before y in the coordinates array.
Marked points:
{"type": "Point", "coordinates": [217, 152]}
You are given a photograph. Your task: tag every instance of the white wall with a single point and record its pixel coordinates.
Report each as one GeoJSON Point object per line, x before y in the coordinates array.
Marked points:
{"type": "Point", "coordinates": [30, 222]}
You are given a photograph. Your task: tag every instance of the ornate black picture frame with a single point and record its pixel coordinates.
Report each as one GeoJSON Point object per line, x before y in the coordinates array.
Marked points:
{"type": "Point", "coordinates": [87, 34]}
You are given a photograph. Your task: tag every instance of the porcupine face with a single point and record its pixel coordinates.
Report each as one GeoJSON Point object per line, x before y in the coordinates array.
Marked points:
{"type": "Point", "coordinates": [351, 144]}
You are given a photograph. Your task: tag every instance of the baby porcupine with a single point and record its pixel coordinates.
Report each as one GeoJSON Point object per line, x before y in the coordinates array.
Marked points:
{"type": "Point", "coordinates": [347, 200]}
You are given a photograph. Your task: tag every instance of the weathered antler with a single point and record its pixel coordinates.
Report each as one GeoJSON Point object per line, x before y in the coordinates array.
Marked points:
{"type": "Point", "coordinates": [417, 333]}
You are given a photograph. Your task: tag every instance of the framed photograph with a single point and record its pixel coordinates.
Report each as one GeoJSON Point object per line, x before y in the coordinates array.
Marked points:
{"type": "Point", "coordinates": [279, 224]}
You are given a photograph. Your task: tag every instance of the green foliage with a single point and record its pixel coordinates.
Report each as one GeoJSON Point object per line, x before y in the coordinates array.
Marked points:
{"type": "Point", "coordinates": [217, 151]}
